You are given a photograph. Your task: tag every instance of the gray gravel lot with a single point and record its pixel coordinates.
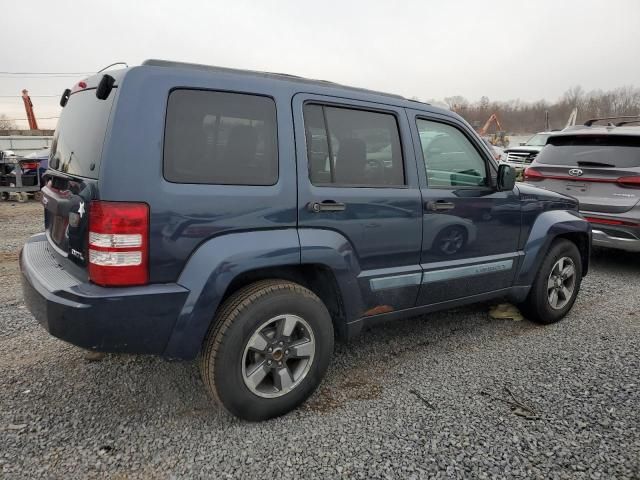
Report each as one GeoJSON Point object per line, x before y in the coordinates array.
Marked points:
{"type": "Point", "coordinates": [418, 398]}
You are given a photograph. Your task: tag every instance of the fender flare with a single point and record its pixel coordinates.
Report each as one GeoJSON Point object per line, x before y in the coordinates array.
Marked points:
{"type": "Point", "coordinates": [548, 226]}
{"type": "Point", "coordinates": [210, 270]}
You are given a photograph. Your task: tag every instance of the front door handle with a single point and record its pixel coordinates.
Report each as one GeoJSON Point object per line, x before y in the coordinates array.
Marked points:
{"type": "Point", "coordinates": [439, 205]}
{"type": "Point", "coordinates": [326, 206]}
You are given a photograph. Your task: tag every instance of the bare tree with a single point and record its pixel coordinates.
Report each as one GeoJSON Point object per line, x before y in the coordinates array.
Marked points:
{"type": "Point", "coordinates": [526, 117]}
{"type": "Point", "coordinates": [6, 123]}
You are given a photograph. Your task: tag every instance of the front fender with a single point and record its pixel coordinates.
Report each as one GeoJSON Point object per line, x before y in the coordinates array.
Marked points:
{"type": "Point", "coordinates": [548, 226]}
{"type": "Point", "coordinates": [211, 269]}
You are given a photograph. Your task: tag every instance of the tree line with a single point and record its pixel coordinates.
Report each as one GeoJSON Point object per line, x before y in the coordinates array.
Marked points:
{"type": "Point", "coordinates": [517, 116]}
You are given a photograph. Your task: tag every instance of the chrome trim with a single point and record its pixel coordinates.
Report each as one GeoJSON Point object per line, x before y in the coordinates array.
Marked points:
{"type": "Point", "coordinates": [601, 239]}
{"type": "Point", "coordinates": [410, 279]}
{"type": "Point", "coordinates": [467, 271]}
{"type": "Point", "coordinates": [395, 281]}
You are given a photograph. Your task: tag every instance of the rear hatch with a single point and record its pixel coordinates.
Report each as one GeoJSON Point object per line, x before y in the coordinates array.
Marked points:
{"type": "Point", "coordinates": [74, 169]}
{"type": "Point", "coordinates": [601, 171]}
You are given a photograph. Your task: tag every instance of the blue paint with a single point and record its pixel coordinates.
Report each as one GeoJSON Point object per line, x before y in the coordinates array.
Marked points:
{"type": "Point", "coordinates": [388, 248]}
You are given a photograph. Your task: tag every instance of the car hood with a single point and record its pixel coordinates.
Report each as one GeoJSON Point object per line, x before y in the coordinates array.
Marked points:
{"type": "Point", "coordinates": [548, 199]}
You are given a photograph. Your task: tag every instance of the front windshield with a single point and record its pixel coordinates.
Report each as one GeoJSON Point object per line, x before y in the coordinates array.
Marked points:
{"type": "Point", "coordinates": [538, 140]}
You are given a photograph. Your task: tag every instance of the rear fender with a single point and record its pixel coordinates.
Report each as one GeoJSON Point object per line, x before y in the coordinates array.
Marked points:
{"type": "Point", "coordinates": [212, 268]}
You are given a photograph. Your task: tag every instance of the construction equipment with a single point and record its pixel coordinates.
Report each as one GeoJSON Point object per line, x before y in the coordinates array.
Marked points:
{"type": "Point", "coordinates": [499, 138]}
{"type": "Point", "coordinates": [19, 176]}
{"type": "Point", "coordinates": [28, 106]}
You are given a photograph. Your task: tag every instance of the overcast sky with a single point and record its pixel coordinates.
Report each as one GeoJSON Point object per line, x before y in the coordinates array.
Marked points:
{"type": "Point", "coordinates": [429, 49]}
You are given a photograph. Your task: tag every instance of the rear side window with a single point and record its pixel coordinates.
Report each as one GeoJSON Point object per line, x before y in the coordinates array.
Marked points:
{"type": "Point", "coordinates": [220, 138]}
{"type": "Point", "coordinates": [584, 151]}
{"type": "Point", "coordinates": [77, 144]}
{"type": "Point", "coordinates": [350, 147]}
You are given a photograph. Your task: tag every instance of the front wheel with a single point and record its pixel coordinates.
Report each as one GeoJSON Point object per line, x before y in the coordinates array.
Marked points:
{"type": "Point", "coordinates": [268, 349]}
{"type": "Point", "coordinates": [557, 283]}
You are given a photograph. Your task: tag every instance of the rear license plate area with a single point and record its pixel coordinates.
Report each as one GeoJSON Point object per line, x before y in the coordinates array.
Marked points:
{"type": "Point", "coordinates": [577, 187]}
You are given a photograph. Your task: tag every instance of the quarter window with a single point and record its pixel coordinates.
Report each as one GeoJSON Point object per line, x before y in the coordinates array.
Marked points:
{"type": "Point", "coordinates": [220, 138]}
{"type": "Point", "coordinates": [449, 157]}
{"type": "Point", "coordinates": [350, 147]}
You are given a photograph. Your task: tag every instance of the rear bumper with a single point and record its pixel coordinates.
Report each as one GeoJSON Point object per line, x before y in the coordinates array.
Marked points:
{"type": "Point", "coordinates": [615, 239]}
{"type": "Point", "coordinates": [131, 320]}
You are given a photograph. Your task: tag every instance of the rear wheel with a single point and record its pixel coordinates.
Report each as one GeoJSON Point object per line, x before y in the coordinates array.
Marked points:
{"type": "Point", "coordinates": [269, 347]}
{"type": "Point", "coordinates": [557, 283]}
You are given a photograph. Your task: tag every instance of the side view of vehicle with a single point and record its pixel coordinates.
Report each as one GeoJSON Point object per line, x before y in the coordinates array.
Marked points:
{"type": "Point", "coordinates": [600, 166]}
{"type": "Point", "coordinates": [249, 219]}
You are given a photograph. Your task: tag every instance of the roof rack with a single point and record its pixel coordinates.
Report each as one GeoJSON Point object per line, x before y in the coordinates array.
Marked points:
{"type": "Point", "coordinates": [590, 122]}
{"type": "Point", "coordinates": [619, 124]}
{"type": "Point", "coordinates": [279, 76]}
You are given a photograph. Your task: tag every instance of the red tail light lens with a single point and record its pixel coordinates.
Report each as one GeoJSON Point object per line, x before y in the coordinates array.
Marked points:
{"type": "Point", "coordinates": [533, 175]}
{"type": "Point", "coordinates": [607, 221]}
{"type": "Point", "coordinates": [118, 243]}
{"type": "Point", "coordinates": [629, 182]}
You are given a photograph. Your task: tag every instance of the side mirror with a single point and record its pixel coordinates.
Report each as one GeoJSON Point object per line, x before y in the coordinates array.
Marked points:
{"type": "Point", "coordinates": [506, 178]}
{"type": "Point", "coordinates": [522, 144]}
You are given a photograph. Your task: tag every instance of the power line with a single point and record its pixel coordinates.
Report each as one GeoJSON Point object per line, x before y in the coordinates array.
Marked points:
{"type": "Point", "coordinates": [25, 119]}
{"type": "Point", "coordinates": [46, 73]}
{"type": "Point", "coordinates": [33, 96]}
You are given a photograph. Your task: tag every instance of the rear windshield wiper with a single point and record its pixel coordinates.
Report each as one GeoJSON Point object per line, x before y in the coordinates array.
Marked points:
{"type": "Point", "coordinates": [587, 163]}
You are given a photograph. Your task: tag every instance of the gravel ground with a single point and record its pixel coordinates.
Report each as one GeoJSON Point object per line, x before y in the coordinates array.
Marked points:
{"type": "Point", "coordinates": [419, 398]}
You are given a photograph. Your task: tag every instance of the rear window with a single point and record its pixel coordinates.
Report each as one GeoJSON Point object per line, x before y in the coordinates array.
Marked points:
{"type": "Point", "coordinates": [611, 150]}
{"type": "Point", "coordinates": [77, 143]}
{"type": "Point", "coordinates": [220, 138]}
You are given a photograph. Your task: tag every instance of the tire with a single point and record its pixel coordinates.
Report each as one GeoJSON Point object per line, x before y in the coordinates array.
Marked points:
{"type": "Point", "coordinates": [238, 344]}
{"type": "Point", "coordinates": [539, 305]}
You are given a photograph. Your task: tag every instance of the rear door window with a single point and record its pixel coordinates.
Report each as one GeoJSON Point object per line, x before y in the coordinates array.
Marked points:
{"type": "Point", "coordinates": [584, 151]}
{"type": "Point", "coordinates": [220, 138]}
{"type": "Point", "coordinates": [351, 147]}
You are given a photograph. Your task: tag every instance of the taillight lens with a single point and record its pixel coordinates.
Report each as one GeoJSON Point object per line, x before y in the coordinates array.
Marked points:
{"type": "Point", "coordinates": [629, 182]}
{"type": "Point", "coordinates": [608, 221]}
{"type": "Point", "coordinates": [533, 175]}
{"type": "Point", "coordinates": [118, 243]}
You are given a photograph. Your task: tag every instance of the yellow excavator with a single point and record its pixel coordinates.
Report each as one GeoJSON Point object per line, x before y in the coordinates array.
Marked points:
{"type": "Point", "coordinates": [497, 139]}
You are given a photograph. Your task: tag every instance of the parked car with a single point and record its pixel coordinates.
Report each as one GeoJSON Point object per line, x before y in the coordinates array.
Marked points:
{"type": "Point", "coordinates": [600, 166]}
{"type": "Point", "coordinates": [521, 157]}
{"type": "Point", "coordinates": [235, 216]}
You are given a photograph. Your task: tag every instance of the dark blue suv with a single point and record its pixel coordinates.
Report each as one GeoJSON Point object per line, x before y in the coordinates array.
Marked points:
{"type": "Point", "coordinates": [250, 218]}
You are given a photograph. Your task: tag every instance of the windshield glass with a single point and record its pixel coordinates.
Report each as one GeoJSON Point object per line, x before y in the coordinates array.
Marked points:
{"type": "Point", "coordinates": [77, 143]}
{"type": "Point", "coordinates": [538, 140]}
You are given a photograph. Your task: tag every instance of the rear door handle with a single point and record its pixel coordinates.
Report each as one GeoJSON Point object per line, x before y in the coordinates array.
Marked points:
{"type": "Point", "coordinates": [438, 205]}
{"type": "Point", "coordinates": [326, 206]}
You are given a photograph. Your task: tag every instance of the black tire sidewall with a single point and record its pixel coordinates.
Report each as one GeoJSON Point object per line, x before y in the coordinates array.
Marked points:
{"type": "Point", "coordinates": [230, 387]}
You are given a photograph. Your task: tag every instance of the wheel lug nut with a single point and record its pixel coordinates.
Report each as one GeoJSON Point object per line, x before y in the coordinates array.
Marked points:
{"type": "Point", "coordinates": [269, 362]}
{"type": "Point", "coordinates": [286, 352]}
{"type": "Point", "coordinates": [270, 349]}
{"type": "Point", "coordinates": [279, 364]}
{"type": "Point", "coordinates": [281, 343]}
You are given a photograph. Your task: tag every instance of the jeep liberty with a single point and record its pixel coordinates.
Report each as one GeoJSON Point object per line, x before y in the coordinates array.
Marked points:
{"type": "Point", "coordinates": [248, 219]}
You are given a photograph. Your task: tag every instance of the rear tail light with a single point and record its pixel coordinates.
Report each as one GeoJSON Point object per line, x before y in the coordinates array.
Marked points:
{"type": "Point", "coordinates": [607, 221]}
{"type": "Point", "coordinates": [629, 182]}
{"type": "Point", "coordinates": [118, 243]}
{"type": "Point", "coordinates": [533, 175]}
